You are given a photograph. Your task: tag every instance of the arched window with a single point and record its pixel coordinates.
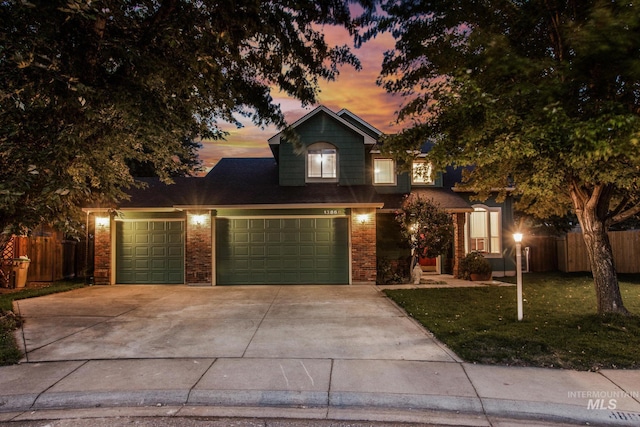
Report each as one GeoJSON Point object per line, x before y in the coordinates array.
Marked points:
{"type": "Point", "coordinates": [484, 230]}
{"type": "Point", "coordinates": [322, 163]}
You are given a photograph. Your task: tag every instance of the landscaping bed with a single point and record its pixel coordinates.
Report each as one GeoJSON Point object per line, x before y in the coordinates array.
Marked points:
{"type": "Point", "coordinates": [560, 328]}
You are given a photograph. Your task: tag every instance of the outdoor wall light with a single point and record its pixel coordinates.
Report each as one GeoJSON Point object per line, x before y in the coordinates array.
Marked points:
{"type": "Point", "coordinates": [518, 239]}
{"type": "Point", "coordinates": [102, 221]}
{"type": "Point", "coordinates": [198, 219]}
{"type": "Point", "coordinates": [362, 218]}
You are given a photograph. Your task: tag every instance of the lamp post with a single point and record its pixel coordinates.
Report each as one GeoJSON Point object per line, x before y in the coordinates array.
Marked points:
{"type": "Point", "coordinates": [518, 238]}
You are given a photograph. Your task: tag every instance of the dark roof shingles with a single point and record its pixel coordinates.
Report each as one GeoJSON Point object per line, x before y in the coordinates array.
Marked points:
{"type": "Point", "coordinates": [254, 181]}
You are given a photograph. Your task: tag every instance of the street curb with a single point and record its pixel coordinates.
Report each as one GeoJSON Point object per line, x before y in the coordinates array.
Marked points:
{"type": "Point", "coordinates": [382, 407]}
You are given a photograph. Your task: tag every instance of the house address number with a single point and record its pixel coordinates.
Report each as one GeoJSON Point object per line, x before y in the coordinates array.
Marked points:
{"type": "Point", "coordinates": [331, 211]}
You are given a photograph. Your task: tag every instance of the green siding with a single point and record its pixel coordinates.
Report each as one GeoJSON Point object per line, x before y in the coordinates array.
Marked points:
{"type": "Point", "coordinates": [282, 251]}
{"type": "Point", "coordinates": [150, 252]}
{"type": "Point", "coordinates": [323, 128]}
{"type": "Point", "coordinates": [506, 262]}
{"type": "Point", "coordinates": [403, 185]}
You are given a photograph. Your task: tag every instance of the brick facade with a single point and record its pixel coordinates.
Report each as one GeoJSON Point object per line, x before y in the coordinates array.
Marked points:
{"type": "Point", "coordinates": [458, 242]}
{"type": "Point", "coordinates": [102, 254]}
{"type": "Point", "coordinates": [198, 248]}
{"type": "Point", "coordinates": [363, 245]}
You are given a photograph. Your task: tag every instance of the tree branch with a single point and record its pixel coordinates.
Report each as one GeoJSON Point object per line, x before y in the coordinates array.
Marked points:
{"type": "Point", "coordinates": [619, 208]}
{"type": "Point", "coordinates": [634, 210]}
{"type": "Point", "coordinates": [167, 7]}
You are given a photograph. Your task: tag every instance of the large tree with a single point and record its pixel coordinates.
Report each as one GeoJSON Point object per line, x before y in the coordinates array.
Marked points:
{"type": "Point", "coordinates": [93, 91]}
{"type": "Point", "coordinates": [538, 96]}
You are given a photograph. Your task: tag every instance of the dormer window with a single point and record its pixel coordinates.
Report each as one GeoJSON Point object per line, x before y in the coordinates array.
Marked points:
{"type": "Point", "coordinates": [384, 172]}
{"type": "Point", "coordinates": [322, 163]}
{"type": "Point", "coordinates": [421, 173]}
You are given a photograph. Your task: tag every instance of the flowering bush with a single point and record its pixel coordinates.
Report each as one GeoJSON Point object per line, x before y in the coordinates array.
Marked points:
{"type": "Point", "coordinates": [427, 227]}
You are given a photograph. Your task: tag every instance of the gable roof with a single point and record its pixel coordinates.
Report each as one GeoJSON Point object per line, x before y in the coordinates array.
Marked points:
{"type": "Point", "coordinates": [368, 139]}
{"type": "Point", "coordinates": [359, 123]}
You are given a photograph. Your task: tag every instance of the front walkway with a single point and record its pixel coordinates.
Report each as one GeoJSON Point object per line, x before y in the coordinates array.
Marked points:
{"type": "Point", "coordinates": [434, 280]}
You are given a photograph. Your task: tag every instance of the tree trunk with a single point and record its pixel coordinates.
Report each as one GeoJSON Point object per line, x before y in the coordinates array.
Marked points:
{"type": "Point", "coordinates": [591, 211]}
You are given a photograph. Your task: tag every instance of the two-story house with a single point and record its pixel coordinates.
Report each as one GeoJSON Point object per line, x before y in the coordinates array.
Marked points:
{"type": "Point", "coordinates": [318, 212]}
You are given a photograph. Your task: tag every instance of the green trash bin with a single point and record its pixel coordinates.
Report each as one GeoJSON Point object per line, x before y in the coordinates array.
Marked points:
{"type": "Point", "coordinates": [19, 269]}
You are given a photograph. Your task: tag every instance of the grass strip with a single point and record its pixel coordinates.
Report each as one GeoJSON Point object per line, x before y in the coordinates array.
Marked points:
{"type": "Point", "coordinates": [9, 350]}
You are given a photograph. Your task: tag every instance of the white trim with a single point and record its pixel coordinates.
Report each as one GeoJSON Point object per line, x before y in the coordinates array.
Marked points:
{"type": "Point", "coordinates": [344, 111]}
{"type": "Point", "coordinates": [429, 166]}
{"type": "Point", "coordinates": [461, 189]}
{"type": "Point", "coordinates": [394, 172]}
{"type": "Point", "coordinates": [148, 219]}
{"type": "Point", "coordinates": [112, 261]}
{"type": "Point", "coordinates": [291, 206]}
{"type": "Point", "coordinates": [280, 216]}
{"type": "Point", "coordinates": [488, 210]}
{"type": "Point", "coordinates": [214, 245]}
{"type": "Point", "coordinates": [350, 250]}
{"type": "Point", "coordinates": [149, 209]}
{"type": "Point", "coordinates": [368, 140]}
{"type": "Point", "coordinates": [320, 147]}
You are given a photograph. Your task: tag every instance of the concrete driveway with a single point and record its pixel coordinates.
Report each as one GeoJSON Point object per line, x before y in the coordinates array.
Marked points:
{"type": "Point", "coordinates": [302, 322]}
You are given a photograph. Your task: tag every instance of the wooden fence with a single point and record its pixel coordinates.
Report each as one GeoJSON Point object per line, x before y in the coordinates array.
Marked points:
{"type": "Point", "coordinates": [569, 253]}
{"type": "Point", "coordinates": [52, 257]}
{"type": "Point", "coordinates": [543, 254]}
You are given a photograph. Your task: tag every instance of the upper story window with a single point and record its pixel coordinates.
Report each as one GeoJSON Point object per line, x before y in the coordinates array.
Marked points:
{"type": "Point", "coordinates": [421, 173]}
{"type": "Point", "coordinates": [484, 230]}
{"type": "Point", "coordinates": [322, 163]}
{"type": "Point", "coordinates": [384, 171]}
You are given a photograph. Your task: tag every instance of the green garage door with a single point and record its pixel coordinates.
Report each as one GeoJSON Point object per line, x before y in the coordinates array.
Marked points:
{"type": "Point", "coordinates": [150, 252]}
{"type": "Point", "coordinates": [282, 251]}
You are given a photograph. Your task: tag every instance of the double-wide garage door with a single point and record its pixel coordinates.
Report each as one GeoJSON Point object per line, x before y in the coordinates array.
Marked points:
{"type": "Point", "coordinates": [150, 252]}
{"type": "Point", "coordinates": [282, 251]}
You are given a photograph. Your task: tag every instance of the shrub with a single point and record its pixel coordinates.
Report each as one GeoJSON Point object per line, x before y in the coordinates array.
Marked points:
{"type": "Point", "coordinates": [474, 263]}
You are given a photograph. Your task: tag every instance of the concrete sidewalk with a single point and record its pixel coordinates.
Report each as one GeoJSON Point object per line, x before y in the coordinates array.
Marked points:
{"type": "Point", "coordinates": [308, 352]}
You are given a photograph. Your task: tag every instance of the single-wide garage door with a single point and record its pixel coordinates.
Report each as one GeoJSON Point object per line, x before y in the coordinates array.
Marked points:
{"type": "Point", "coordinates": [282, 251]}
{"type": "Point", "coordinates": [150, 252]}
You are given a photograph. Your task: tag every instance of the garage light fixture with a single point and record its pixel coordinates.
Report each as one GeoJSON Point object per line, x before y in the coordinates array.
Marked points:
{"type": "Point", "coordinates": [362, 218]}
{"type": "Point", "coordinates": [102, 221]}
{"type": "Point", "coordinates": [198, 219]}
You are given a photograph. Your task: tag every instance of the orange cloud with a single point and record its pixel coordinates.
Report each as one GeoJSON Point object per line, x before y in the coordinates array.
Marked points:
{"type": "Point", "coordinates": [354, 90]}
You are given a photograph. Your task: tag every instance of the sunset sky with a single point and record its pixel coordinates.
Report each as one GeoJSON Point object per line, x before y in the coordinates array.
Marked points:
{"type": "Point", "coordinates": [353, 90]}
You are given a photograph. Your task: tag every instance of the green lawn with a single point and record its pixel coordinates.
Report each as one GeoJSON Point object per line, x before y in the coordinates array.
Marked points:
{"type": "Point", "coordinates": [9, 352]}
{"type": "Point", "coordinates": [560, 328]}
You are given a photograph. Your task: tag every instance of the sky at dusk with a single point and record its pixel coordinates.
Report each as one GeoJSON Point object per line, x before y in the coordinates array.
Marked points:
{"type": "Point", "coordinates": [354, 90]}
